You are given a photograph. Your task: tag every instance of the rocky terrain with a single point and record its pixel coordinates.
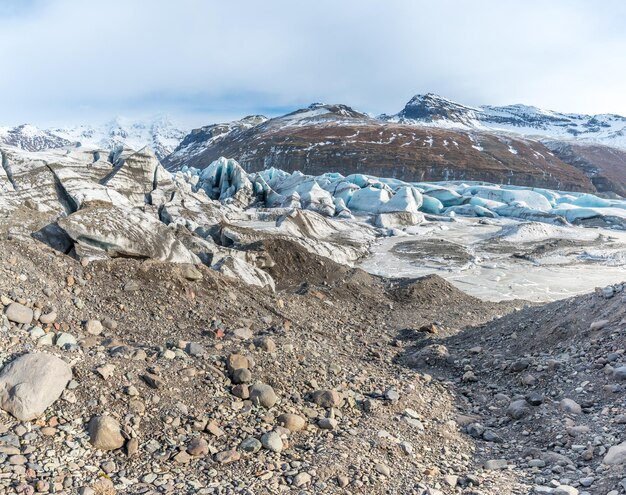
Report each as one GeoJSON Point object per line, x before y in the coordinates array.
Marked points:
{"type": "Point", "coordinates": [206, 332]}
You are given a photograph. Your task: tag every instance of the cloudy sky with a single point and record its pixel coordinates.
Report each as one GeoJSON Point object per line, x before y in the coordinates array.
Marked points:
{"type": "Point", "coordinates": [202, 61]}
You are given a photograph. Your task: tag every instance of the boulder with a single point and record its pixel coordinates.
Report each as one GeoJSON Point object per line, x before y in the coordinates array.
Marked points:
{"type": "Point", "coordinates": [31, 383]}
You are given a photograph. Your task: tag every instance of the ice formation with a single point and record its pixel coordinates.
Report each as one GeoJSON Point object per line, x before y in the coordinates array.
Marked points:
{"type": "Point", "coordinates": [389, 201]}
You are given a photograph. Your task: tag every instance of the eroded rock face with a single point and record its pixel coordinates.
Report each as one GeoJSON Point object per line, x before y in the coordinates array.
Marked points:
{"type": "Point", "coordinates": [31, 383]}
{"type": "Point", "coordinates": [125, 233]}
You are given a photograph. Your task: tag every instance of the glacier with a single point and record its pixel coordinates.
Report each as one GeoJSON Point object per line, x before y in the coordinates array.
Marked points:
{"type": "Point", "coordinates": [334, 195]}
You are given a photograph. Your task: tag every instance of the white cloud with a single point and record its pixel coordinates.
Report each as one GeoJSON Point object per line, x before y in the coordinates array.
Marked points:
{"type": "Point", "coordinates": [203, 61]}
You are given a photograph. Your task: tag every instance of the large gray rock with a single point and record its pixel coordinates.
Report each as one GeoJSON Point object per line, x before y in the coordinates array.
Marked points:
{"type": "Point", "coordinates": [31, 383]}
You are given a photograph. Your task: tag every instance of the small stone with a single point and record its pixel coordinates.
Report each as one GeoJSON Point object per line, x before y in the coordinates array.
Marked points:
{"type": "Point", "coordinates": [182, 457]}
{"type": "Point", "coordinates": [105, 433]}
{"type": "Point", "coordinates": [153, 381]}
{"type": "Point", "coordinates": [570, 406]}
{"type": "Point", "coordinates": [342, 480]}
{"type": "Point", "coordinates": [241, 375]}
{"type": "Point", "coordinates": [227, 456]}
{"type": "Point", "coordinates": [132, 447]}
{"type": "Point", "coordinates": [327, 423]}
{"type": "Point", "coordinates": [17, 460]}
{"type": "Point", "coordinates": [494, 464]}
{"type": "Point", "coordinates": [293, 422]}
{"type": "Point", "coordinates": [65, 339]}
{"type": "Point", "coordinates": [250, 444]}
{"type": "Point", "coordinates": [198, 447]}
{"type": "Point", "coordinates": [392, 395]}
{"type": "Point", "coordinates": [383, 469]}
{"type": "Point", "coordinates": [191, 273]}
{"type": "Point", "coordinates": [517, 409]}
{"type": "Point", "coordinates": [565, 490]}
{"type": "Point", "coordinates": [263, 395]}
{"type": "Point", "coordinates": [93, 327]}
{"type": "Point", "coordinates": [243, 333]}
{"type": "Point", "coordinates": [302, 479]}
{"type": "Point", "coordinates": [616, 454]}
{"type": "Point", "coordinates": [327, 398]}
{"type": "Point", "coordinates": [598, 325]}
{"type": "Point", "coordinates": [237, 361]}
{"type": "Point", "coordinates": [109, 324]}
{"type": "Point", "coordinates": [168, 354]}
{"type": "Point", "coordinates": [272, 441]}
{"type": "Point", "coordinates": [241, 391]}
{"type": "Point", "coordinates": [18, 313]}
{"type": "Point", "coordinates": [265, 343]}
{"type": "Point", "coordinates": [194, 349]}
{"type": "Point", "coordinates": [105, 371]}
{"type": "Point", "coordinates": [48, 318]}
{"type": "Point", "coordinates": [214, 429]}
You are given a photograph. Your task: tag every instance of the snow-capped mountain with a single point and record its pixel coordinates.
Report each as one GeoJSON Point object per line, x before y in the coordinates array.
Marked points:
{"type": "Point", "coordinates": [533, 122]}
{"type": "Point", "coordinates": [160, 134]}
{"type": "Point", "coordinates": [31, 138]}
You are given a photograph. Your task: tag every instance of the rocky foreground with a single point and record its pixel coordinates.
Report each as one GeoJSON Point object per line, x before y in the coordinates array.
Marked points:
{"type": "Point", "coordinates": [157, 335]}
{"type": "Point", "coordinates": [128, 376]}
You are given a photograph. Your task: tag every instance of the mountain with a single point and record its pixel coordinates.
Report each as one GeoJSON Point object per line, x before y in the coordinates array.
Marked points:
{"type": "Point", "coordinates": [321, 138]}
{"type": "Point", "coordinates": [160, 134]}
{"type": "Point", "coordinates": [431, 138]}
{"type": "Point", "coordinates": [431, 109]}
{"type": "Point", "coordinates": [31, 138]}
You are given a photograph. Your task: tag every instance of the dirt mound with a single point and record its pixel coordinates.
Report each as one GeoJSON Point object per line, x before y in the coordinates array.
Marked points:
{"type": "Point", "coordinates": [541, 387]}
{"type": "Point", "coordinates": [293, 265]}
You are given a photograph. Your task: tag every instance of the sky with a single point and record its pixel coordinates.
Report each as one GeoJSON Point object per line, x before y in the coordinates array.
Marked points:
{"type": "Point", "coordinates": [205, 61]}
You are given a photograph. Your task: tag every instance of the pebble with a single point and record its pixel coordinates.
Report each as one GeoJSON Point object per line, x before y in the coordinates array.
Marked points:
{"type": "Point", "coordinates": [250, 444]}
{"type": "Point", "coordinates": [241, 375]}
{"type": "Point", "coordinates": [570, 406]}
{"type": "Point", "coordinates": [93, 327]}
{"type": "Point", "coordinates": [327, 398]}
{"type": "Point", "coordinates": [383, 469]}
{"type": "Point", "coordinates": [293, 422]}
{"type": "Point", "coordinates": [327, 423]}
{"type": "Point", "coordinates": [227, 456]}
{"type": "Point", "coordinates": [272, 441]}
{"type": "Point", "coordinates": [18, 313]}
{"type": "Point", "coordinates": [198, 447]}
{"type": "Point", "coordinates": [262, 394]}
{"type": "Point", "coordinates": [105, 433]}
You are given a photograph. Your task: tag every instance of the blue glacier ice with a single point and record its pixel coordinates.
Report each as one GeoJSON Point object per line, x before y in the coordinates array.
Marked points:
{"type": "Point", "coordinates": [394, 203]}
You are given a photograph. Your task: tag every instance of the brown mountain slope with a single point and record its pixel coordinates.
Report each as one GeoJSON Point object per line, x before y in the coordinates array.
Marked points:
{"type": "Point", "coordinates": [605, 166]}
{"type": "Point", "coordinates": [336, 138]}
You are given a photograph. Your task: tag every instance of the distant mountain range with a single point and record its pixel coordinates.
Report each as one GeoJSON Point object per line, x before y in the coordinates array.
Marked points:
{"type": "Point", "coordinates": [431, 138]}
{"type": "Point", "coordinates": [160, 134]}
